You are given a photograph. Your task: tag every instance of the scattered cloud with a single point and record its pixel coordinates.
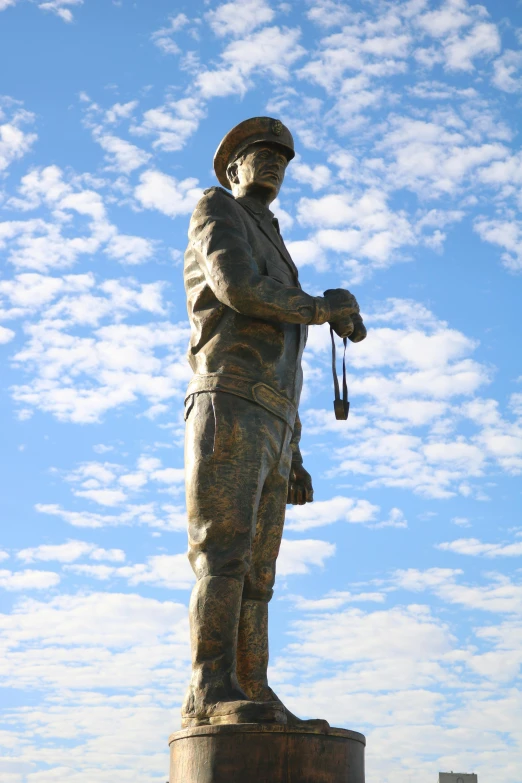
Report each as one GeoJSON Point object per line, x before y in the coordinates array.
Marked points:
{"type": "Point", "coordinates": [15, 142]}
{"type": "Point", "coordinates": [28, 580]}
{"type": "Point", "coordinates": [162, 192]}
{"type": "Point", "coordinates": [475, 547]}
{"type": "Point", "coordinates": [507, 234]}
{"type": "Point", "coordinates": [298, 555]}
{"type": "Point", "coordinates": [60, 8]}
{"type": "Point", "coordinates": [69, 552]}
{"type": "Point", "coordinates": [164, 37]}
{"type": "Point", "coordinates": [327, 512]}
{"type": "Point", "coordinates": [506, 70]}
{"type": "Point", "coordinates": [239, 18]}
{"type": "Point", "coordinates": [121, 155]}
{"type": "Point", "coordinates": [171, 124]}
{"type": "Point", "coordinates": [172, 572]}
{"type": "Point", "coordinates": [270, 52]}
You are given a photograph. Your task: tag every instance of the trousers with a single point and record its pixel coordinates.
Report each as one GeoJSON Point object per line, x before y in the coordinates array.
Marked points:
{"type": "Point", "coordinates": [237, 459]}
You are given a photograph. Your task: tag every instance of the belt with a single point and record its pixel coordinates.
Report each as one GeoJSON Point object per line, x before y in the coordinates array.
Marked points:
{"type": "Point", "coordinates": [255, 391]}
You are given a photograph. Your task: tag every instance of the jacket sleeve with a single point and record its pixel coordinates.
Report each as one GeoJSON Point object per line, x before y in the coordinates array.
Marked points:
{"type": "Point", "coordinates": [294, 443]}
{"type": "Point", "coordinates": [223, 252]}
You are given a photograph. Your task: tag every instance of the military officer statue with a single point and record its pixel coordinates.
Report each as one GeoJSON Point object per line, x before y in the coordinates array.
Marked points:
{"type": "Point", "coordinates": [249, 319]}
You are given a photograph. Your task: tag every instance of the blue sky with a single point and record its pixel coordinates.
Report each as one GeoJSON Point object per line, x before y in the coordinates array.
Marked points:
{"type": "Point", "coordinates": [399, 597]}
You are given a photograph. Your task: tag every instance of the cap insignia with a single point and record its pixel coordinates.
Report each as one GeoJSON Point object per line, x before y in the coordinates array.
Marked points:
{"type": "Point", "coordinates": [277, 127]}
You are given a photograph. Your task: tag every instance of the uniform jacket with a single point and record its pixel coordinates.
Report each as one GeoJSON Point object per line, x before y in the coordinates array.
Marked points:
{"type": "Point", "coordinates": [247, 311]}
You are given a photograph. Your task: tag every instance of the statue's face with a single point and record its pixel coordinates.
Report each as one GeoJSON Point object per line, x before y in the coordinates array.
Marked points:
{"type": "Point", "coordinates": [260, 167]}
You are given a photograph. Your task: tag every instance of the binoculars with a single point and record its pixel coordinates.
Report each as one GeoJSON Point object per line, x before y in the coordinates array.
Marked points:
{"type": "Point", "coordinates": [359, 329]}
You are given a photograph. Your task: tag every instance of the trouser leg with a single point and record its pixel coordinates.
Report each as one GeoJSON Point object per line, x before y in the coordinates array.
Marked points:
{"type": "Point", "coordinates": [231, 445]}
{"type": "Point", "coordinates": [253, 648]}
{"type": "Point", "coordinates": [214, 616]}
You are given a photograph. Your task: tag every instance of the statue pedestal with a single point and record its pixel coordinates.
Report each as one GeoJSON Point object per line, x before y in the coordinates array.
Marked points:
{"type": "Point", "coordinates": [266, 753]}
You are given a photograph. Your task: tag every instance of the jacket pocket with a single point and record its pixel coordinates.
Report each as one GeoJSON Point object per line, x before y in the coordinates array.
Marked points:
{"type": "Point", "coordinates": [189, 404]}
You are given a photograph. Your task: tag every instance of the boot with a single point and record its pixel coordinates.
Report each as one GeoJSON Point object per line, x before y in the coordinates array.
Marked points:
{"type": "Point", "coordinates": [214, 694]}
{"type": "Point", "coordinates": [252, 660]}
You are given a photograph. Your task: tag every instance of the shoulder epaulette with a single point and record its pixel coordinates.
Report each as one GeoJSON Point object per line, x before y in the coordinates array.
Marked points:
{"type": "Point", "coordinates": [216, 187]}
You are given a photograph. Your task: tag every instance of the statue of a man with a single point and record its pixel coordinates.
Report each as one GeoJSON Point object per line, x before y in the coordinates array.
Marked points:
{"type": "Point", "coordinates": [249, 319]}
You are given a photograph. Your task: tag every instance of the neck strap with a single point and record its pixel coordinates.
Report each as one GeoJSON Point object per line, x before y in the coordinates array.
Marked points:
{"type": "Point", "coordinates": [341, 406]}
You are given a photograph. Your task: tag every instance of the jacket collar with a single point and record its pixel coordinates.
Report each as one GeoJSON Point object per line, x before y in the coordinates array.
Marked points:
{"type": "Point", "coordinates": [264, 218]}
{"type": "Point", "coordinates": [255, 206]}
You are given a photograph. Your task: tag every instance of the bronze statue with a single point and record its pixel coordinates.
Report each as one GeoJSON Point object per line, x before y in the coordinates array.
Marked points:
{"type": "Point", "coordinates": [249, 319]}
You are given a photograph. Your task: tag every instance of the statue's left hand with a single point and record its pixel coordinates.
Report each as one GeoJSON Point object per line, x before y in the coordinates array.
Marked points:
{"type": "Point", "coordinates": [300, 490]}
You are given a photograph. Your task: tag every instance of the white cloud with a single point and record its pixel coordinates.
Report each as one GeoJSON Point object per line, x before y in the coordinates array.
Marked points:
{"type": "Point", "coordinates": [335, 599]}
{"type": "Point", "coordinates": [41, 244]}
{"type": "Point", "coordinates": [102, 448]}
{"type": "Point", "coordinates": [461, 521]}
{"type": "Point", "coordinates": [500, 595]}
{"type": "Point", "coordinates": [239, 18]}
{"type": "Point", "coordinates": [95, 619]}
{"type": "Point", "coordinates": [395, 519]}
{"type": "Point", "coordinates": [367, 52]}
{"type": "Point", "coordinates": [164, 37]}
{"type": "Point", "coordinates": [475, 547]}
{"type": "Point", "coordinates": [417, 581]}
{"type": "Point", "coordinates": [318, 176]}
{"type": "Point", "coordinates": [81, 378]}
{"type": "Point", "coordinates": [77, 298]}
{"type": "Point", "coordinates": [120, 111]}
{"type": "Point", "coordinates": [112, 484]}
{"type": "Point", "coordinates": [166, 194]}
{"type": "Point", "coordinates": [28, 580]}
{"type": "Point", "coordinates": [365, 228]}
{"type": "Point", "coordinates": [297, 556]}
{"type": "Point", "coordinates": [507, 234]}
{"type": "Point", "coordinates": [353, 635]}
{"type": "Point", "coordinates": [409, 374]}
{"type": "Point", "coordinates": [104, 497]}
{"type": "Point", "coordinates": [271, 51]}
{"type": "Point", "coordinates": [451, 17]}
{"type": "Point", "coordinates": [308, 252]}
{"type": "Point", "coordinates": [326, 512]}
{"type": "Point", "coordinates": [122, 660]}
{"type": "Point", "coordinates": [15, 142]}
{"type": "Point", "coordinates": [506, 70]}
{"type": "Point", "coordinates": [482, 41]}
{"type": "Point", "coordinates": [69, 552]}
{"type": "Point", "coordinates": [327, 13]}
{"type": "Point", "coordinates": [59, 7]}
{"type": "Point", "coordinates": [435, 155]}
{"type": "Point", "coordinates": [6, 335]}
{"type": "Point", "coordinates": [172, 572]}
{"type": "Point", "coordinates": [172, 124]}
{"type": "Point", "coordinates": [130, 249]}
{"type": "Point", "coordinates": [121, 155]}
{"type": "Point", "coordinates": [168, 517]}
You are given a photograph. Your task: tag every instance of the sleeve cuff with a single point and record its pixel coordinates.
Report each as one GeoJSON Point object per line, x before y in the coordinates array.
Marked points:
{"type": "Point", "coordinates": [321, 310]}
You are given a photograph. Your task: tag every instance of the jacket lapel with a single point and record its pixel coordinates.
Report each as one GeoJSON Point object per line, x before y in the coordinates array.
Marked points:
{"type": "Point", "coordinates": [270, 232]}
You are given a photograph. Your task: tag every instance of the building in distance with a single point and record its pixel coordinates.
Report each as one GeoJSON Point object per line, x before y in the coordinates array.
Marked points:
{"type": "Point", "coordinates": [457, 777]}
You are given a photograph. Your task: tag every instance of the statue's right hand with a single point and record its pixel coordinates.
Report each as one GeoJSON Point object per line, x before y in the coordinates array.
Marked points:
{"type": "Point", "coordinates": [342, 304]}
{"type": "Point", "coordinates": [343, 328]}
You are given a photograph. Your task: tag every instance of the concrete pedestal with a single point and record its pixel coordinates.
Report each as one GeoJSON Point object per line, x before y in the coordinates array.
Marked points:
{"type": "Point", "coordinates": [266, 753]}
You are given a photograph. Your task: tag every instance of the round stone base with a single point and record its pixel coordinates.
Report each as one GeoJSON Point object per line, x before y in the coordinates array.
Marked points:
{"type": "Point", "coordinates": [266, 753]}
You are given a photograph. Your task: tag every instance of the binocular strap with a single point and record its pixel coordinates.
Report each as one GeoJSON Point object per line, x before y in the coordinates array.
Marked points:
{"type": "Point", "coordinates": [341, 406]}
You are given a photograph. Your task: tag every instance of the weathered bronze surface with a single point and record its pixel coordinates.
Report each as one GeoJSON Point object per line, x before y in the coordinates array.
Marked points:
{"type": "Point", "coordinates": [266, 753]}
{"type": "Point", "coordinates": [249, 319]}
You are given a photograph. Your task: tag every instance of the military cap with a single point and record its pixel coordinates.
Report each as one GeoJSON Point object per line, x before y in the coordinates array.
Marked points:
{"type": "Point", "coordinates": [252, 131]}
